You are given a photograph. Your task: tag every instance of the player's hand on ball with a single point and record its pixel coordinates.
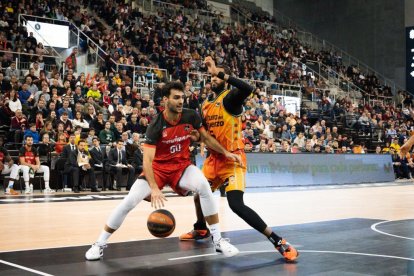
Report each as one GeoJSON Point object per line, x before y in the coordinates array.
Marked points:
{"type": "Point", "coordinates": [157, 198]}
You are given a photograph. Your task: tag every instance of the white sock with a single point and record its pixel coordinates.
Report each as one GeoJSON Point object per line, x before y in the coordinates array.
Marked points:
{"type": "Point", "coordinates": [10, 184]}
{"type": "Point", "coordinates": [215, 232]}
{"type": "Point", "coordinates": [47, 185]}
{"type": "Point", "coordinates": [103, 238]}
{"type": "Point", "coordinates": [26, 184]}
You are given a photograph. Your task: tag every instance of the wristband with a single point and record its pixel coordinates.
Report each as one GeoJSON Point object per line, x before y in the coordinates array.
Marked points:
{"type": "Point", "coordinates": [221, 75]}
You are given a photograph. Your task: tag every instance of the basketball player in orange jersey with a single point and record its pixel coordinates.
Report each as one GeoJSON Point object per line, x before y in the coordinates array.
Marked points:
{"type": "Point", "coordinates": [221, 113]}
{"type": "Point", "coordinates": [167, 162]}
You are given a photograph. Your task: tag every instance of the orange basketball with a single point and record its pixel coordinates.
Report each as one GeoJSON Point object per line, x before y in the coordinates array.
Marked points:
{"type": "Point", "coordinates": [161, 223]}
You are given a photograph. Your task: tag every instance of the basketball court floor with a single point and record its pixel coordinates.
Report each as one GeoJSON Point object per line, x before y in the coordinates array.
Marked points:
{"type": "Point", "coordinates": [359, 229]}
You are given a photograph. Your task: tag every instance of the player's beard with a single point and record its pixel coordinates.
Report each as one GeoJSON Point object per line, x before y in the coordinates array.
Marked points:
{"type": "Point", "coordinates": [217, 88]}
{"type": "Point", "coordinates": [173, 108]}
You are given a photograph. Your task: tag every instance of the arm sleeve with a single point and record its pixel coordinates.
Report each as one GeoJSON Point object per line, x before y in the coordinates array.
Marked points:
{"type": "Point", "coordinates": [233, 102]}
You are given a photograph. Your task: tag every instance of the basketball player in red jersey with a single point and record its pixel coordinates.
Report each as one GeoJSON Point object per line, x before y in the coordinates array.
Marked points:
{"type": "Point", "coordinates": [222, 112]}
{"type": "Point", "coordinates": [167, 162]}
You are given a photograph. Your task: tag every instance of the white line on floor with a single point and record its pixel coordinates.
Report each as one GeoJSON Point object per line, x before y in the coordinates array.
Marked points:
{"type": "Point", "coordinates": [302, 251]}
{"type": "Point", "coordinates": [25, 268]}
{"type": "Point", "coordinates": [374, 228]}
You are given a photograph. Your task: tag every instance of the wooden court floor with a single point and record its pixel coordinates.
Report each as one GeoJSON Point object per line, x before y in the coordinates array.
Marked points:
{"type": "Point", "coordinates": [62, 224]}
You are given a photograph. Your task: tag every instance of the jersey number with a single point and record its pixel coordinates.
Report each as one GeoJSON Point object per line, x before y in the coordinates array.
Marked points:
{"type": "Point", "coordinates": [175, 148]}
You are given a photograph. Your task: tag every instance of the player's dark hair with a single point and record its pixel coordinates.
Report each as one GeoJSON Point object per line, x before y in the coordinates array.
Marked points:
{"type": "Point", "coordinates": [226, 68]}
{"type": "Point", "coordinates": [166, 91]}
{"type": "Point", "coordinates": [28, 136]}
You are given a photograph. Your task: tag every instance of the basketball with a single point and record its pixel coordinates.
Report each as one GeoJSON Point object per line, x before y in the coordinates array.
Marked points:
{"type": "Point", "coordinates": [161, 223]}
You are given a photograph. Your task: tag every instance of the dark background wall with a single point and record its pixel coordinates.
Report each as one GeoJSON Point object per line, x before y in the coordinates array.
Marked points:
{"type": "Point", "coordinates": [371, 30]}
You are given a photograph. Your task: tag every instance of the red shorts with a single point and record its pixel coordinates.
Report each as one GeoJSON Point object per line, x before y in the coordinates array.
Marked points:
{"type": "Point", "coordinates": [171, 176]}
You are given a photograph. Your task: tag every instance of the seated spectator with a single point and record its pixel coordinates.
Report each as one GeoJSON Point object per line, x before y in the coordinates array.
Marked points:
{"type": "Point", "coordinates": [80, 121]}
{"type": "Point", "coordinates": [48, 129]}
{"type": "Point", "coordinates": [395, 145]}
{"type": "Point", "coordinates": [137, 162]}
{"type": "Point", "coordinates": [67, 124]}
{"type": "Point", "coordinates": [300, 140]}
{"type": "Point", "coordinates": [98, 123]}
{"type": "Point", "coordinates": [14, 102]}
{"type": "Point", "coordinates": [30, 164]}
{"type": "Point", "coordinates": [106, 136]}
{"type": "Point", "coordinates": [65, 109]}
{"type": "Point", "coordinates": [94, 93]}
{"type": "Point", "coordinates": [32, 132]}
{"type": "Point", "coordinates": [25, 96]}
{"type": "Point", "coordinates": [364, 125]}
{"type": "Point", "coordinates": [61, 143]}
{"type": "Point", "coordinates": [8, 167]}
{"type": "Point", "coordinates": [99, 159]}
{"type": "Point", "coordinates": [70, 147]}
{"type": "Point", "coordinates": [117, 165]}
{"type": "Point", "coordinates": [400, 165]}
{"type": "Point", "coordinates": [78, 165]}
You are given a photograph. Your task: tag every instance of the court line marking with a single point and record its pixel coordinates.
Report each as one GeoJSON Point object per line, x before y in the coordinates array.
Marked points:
{"type": "Point", "coordinates": [25, 268]}
{"type": "Point", "coordinates": [301, 251]}
{"type": "Point", "coordinates": [374, 228]}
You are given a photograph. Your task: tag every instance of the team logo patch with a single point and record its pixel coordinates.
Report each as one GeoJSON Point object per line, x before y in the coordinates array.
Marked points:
{"type": "Point", "coordinates": [218, 104]}
{"type": "Point", "coordinates": [164, 133]}
{"type": "Point", "coordinates": [187, 128]}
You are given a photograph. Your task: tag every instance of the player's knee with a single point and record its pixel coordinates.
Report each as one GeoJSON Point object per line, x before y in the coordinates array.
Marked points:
{"type": "Point", "coordinates": [235, 200]}
{"type": "Point", "coordinates": [203, 188]}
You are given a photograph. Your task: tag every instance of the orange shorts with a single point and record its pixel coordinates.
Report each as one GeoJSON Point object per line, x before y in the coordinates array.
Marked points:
{"type": "Point", "coordinates": [222, 171]}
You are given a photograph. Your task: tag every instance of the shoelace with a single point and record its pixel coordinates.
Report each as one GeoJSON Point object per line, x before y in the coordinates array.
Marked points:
{"type": "Point", "coordinates": [222, 239]}
{"type": "Point", "coordinates": [101, 246]}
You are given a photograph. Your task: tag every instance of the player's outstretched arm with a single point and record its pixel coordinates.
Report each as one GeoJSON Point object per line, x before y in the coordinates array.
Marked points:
{"type": "Point", "coordinates": [157, 197]}
{"type": "Point", "coordinates": [214, 145]}
{"type": "Point", "coordinates": [233, 102]}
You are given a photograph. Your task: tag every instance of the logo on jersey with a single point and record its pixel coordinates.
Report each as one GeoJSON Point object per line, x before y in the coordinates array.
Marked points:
{"type": "Point", "coordinates": [164, 133]}
{"type": "Point", "coordinates": [218, 104]}
{"type": "Point", "coordinates": [187, 128]}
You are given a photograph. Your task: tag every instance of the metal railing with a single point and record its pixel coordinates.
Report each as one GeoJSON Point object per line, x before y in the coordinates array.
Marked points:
{"type": "Point", "coordinates": [23, 64]}
{"type": "Point", "coordinates": [99, 55]}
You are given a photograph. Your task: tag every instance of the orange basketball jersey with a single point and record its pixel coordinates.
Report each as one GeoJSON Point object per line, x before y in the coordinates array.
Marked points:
{"type": "Point", "coordinates": [223, 126]}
